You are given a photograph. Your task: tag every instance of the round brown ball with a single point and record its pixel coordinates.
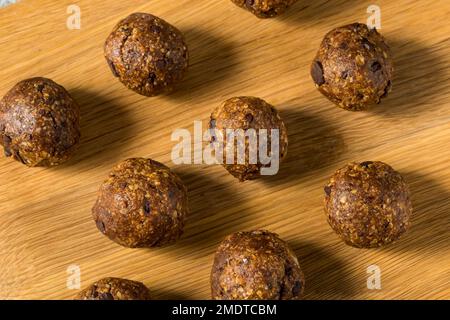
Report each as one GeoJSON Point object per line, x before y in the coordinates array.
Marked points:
{"type": "Point", "coordinates": [256, 265]}
{"type": "Point", "coordinates": [265, 8]}
{"type": "Point", "coordinates": [147, 54]}
{"type": "Point", "coordinates": [39, 123]}
{"type": "Point", "coordinates": [141, 204]}
{"type": "Point", "coordinates": [353, 67]}
{"type": "Point", "coordinates": [368, 204]}
{"type": "Point", "coordinates": [115, 289]}
{"type": "Point", "coordinates": [248, 113]}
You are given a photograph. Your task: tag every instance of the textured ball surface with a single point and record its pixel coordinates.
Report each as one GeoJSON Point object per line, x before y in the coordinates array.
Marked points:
{"type": "Point", "coordinates": [353, 67]}
{"type": "Point", "coordinates": [368, 204]}
{"type": "Point", "coordinates": [141, 204]}
{"type": "Point", "coordinates": [256, 265]}
{"type": "Point", "coordinates": [39, 123]}
{"type": "Point", "coordinates": [115, 289]}
{"type": "Point", "coordinates": [248, 113]}
{"type": "Point", "coordinates": [147, 54]}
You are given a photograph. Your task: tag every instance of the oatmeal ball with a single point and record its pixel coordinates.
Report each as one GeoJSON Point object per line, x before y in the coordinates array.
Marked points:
{"type": "Point", "coordinates": [115, 289]}
{"type": "Point", "coordinates": [368, 204]}
{"type": "Point", "coordinates": [141, 204]}
{"type": "Point", "coordinates": [39, 123]}
{"type": "Point", "coordinates": [354, 67]}
{"type": "Point", "coordinates": [247, 113]}
{"type": "Point", "coordinates": [265, 8]}
{"type": "Point", "coordinates": [256, 265]}
{"type": "Point", "coordinates": [147, 54]}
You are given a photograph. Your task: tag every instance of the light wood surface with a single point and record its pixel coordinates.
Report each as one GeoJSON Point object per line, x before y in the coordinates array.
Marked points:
{"type": "Point", "coordinates": [45, 219]}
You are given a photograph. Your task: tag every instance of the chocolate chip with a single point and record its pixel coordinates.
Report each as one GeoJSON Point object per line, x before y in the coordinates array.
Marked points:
{"type": "Point", "coordinates": [6, 146]}
{"type": "Point", "coordinates": [297, 288]}
{"type": "Point", "coordinates": [160, 64]}
{"type": "Point", "coordinates": [269, 13]}
{"type": "Point", "coordinates": [387, 89]}
{"type": "Point", "coordinates": [375, 66]}
{"type": "Point", "coordinates": [147, 207]}
{"type": "Point", "coordinates": [359, 96]}
{"type": "Point", "coordinates": [343, 46]}
{"type": "Point", "coordinates": [106, 296]}
{"type": "Point", "coordinates": [281, 289]}
{"type": "Point", "coordinates": [366, 164]}
{"type": "Point", "coordinates": [151, 78]}
{"type": "Point", "coordinates": [317, 73]}
{"type": "Point", "coordinates": [7, 152]}
{"type": "Point", "coordinates": [344, 75]}
{"type": "Point", "coordinates": [327, 190]}
{"type": "Point", "coordinates": [17, 156]}
{"type": "Point", "coordinates": [367, 44]}
{"type": "Point", "coordinates": [249, 3]}
{"type": "Point", "coordinates": [49, 100]}
{"type": "Point", "coordinates": [155, 29]}
{"type": "Point", "coordinates": [101, 226]}
{"type": "Point", "coordinates": [113, 68]}
{"type": "Point", "coordinates": [249, 117]}
{"type": "Point", "coordinates": [40, 87]}
{"type": "Point", "coordinates": [127, 31]}
{"type": "Point", "coordinates": [123, 185]}
{"type": "Point", "coordinates": [288, 271]}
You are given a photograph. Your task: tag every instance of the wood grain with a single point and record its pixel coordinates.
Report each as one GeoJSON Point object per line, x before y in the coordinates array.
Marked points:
{"type": "Point", "coordinates": [45, 220]}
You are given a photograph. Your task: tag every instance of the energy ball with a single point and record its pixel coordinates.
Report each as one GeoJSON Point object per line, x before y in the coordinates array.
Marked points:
{"type": "Point", "coordinates": [354, 67]}
{"type": "Point", "coordinates": [368, 204]}
{"type": "Point", "coordinates": [147, 54]}
{"type": "Point", "coordinates": [39, 123]}
{"type": "Point", "coordinates": [256, 265]}
{"type": "Point", "coordinates": [115, 289]}
{"type": "Point", "coordinates": [248, 113]}
{"type": "Point", "coordinates": [141, 204]}
{"type": "Point", "coordinates": [265, 8]}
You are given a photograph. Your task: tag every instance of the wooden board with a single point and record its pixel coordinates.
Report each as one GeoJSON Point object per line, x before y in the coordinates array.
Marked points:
{"type": "Point", "coordinates": [45, 219]}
